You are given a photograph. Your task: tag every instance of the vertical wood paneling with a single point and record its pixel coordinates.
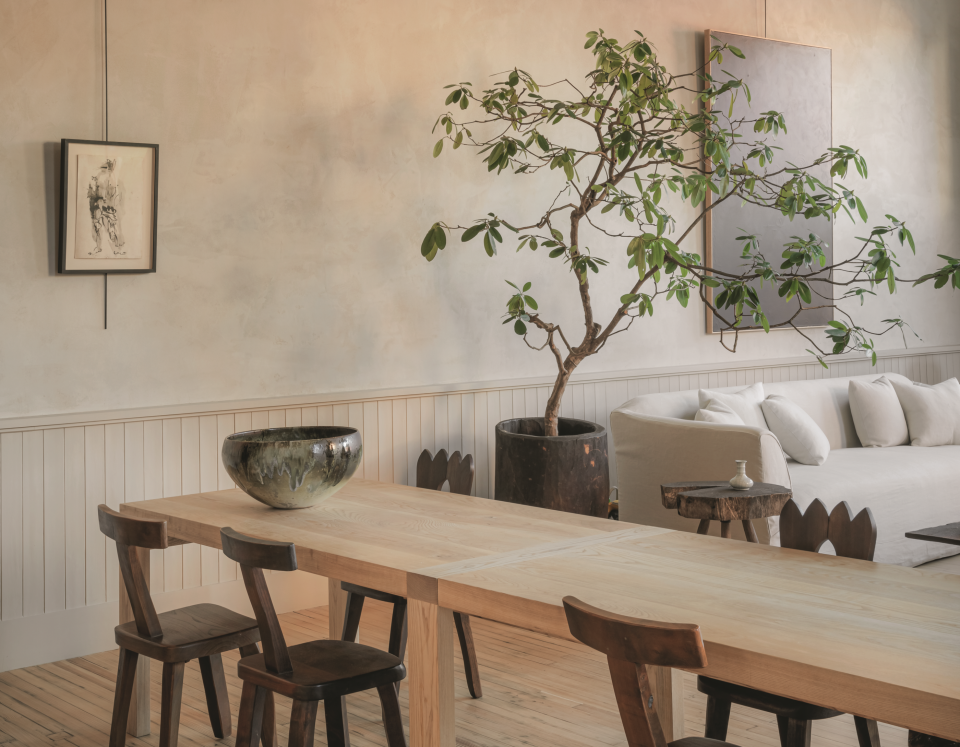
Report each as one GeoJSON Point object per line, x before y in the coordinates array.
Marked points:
{"type": "Point", "coordinates": [493, 417]}
{"type": "Point", "coordinates": [468, 434]}
{"type": "Point", "coordinates": [294, 417]}
{"type": "Point", "coordinates": [132, 462]}
{"type": "Point", "coordinates": [244, 421]}
{"type": "Point", "coordinates": [74, 515]}
{"type": "Point", "coordinates": [428, 426]}
{"type": "Point", "coordinates": [308, 416]}
{"type": "Point", "coordinates": [259, 419]}
{"type": "Point", "coordinates": [441, 425]}
{"type": "Point", "coordinates": [325, 415]}
{"type": "Point", "coordinates": [371, 442]}
{"type": "Point", "coordinates": [355, 420]}
{"type": "Point", "coordinates": [384, 411]}
{"type": "Point", "coordinates": [209, 480]}
{"type": "Point", "coordinates": [11, 528]}
{"type": "Point", "coordinates": [172, 445]}
{"type": "Point", "coordinates": [277, 418]}
{"type": "Point", "coordinates": [414, 438]}
{"type": "Point", "coordinates": [94, 466]}
{"type": "Point", "coordinates": [114, 482]}
{"type": "Point", "coordinates": [153, 487]}
{"type": "Point", "coordinates": [226, 425]}
{"type": "Point", "coordinates": [483, 436]}
{"type": "Point", "coordinates": [454, 423]}
{"type": "Point", "coordinates": [54, 522]}
{"type": "Point", "coordinates": [399, 440]}
{"type": "Point", "coordinates": [32, 523]}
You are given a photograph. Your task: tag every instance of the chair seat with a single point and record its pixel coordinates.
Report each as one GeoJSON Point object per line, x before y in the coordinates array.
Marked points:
{"type": "Point", "coordinates": [699, 742]}
{"type": "Point", "coordinates": [776, 704]}
{"type": "Point", "coordinates": [365, 591]}
{"type": "Point", "coordinates": [190, 633]}
{"type": "Point", "coordinates": [325, 669]}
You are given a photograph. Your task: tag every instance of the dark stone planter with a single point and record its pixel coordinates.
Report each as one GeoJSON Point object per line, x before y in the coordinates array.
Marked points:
{"type": "Point", "coordinates": [568, 472]}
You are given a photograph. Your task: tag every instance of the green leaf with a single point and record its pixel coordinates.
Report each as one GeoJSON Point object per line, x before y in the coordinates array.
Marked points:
{"type": "Point", "coordinates": [527, 286]}
{"type": "Point", "coordinates": [488, 245]}
{"type": "Point", "coordinates": [472, 231]}
{"type": "Point", "coordinates": [438, 147]}
{"type": "Point", "coordinates": [736, 52]}
{"type": "Point", "coordinates": [439, 236]}
{"type": "Point", "coordinates": [530, 302]}
{"type": "Point", "coordinates": [429, 246]}
{"type": "Point", "coordinates": [519, 327]}
{"type": "Point", "coordinates": [557, 252]}
{"type": "Point", "coordinates": [862, 210]}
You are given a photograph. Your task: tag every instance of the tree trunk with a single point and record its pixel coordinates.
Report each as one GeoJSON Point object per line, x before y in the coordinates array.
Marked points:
{"type": "Point", "coordinates": [551, 418]}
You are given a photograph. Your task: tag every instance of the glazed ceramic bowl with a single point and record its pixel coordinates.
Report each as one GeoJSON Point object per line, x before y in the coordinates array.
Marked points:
{"type": "Point", "coordinates": [292, 467]}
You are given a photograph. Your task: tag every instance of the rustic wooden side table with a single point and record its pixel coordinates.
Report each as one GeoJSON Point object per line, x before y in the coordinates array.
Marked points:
{"type": "Point", "coordinates": [717, 501]}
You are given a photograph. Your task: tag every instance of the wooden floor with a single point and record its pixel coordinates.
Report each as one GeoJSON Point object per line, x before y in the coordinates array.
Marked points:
{"type": "Point", "coordinates": [536, 691]}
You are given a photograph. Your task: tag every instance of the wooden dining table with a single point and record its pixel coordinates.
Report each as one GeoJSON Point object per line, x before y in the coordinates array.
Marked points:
{"type": "Point", "coordinates": [874, 640]}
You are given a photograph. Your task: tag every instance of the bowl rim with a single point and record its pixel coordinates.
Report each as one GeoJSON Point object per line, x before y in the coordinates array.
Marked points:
{"type": "Point", "coordinates": [238, 437]}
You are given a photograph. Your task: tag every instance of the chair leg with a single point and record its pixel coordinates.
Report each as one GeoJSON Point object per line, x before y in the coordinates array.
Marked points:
{"type": "Point", "coordinates": [397, 644]}
{"type": "Point", "coordinates": [126, 674]}
{"type": "Point", "coordinates": [171, 695]}
{"type": "Point", "coordinates": [351, 618]}
{"type": "Point", "coordinates": [867, 733]}
{"type": "Point", "coordinates": [251, 718]}
{"type": "Point", "coordinates": [794, 732]}
{"type": "Point", "coordinates": [268, 728]}
{"type": "Point", "coordinates": [215, 689]}
{"type": "Point", "coordinates": [335, 713]}
{"type": "Point", "coordinates": [718, 718]}
{"type": "Point", "coordinates": [392, 720]}
{"type": "Point", "coordinates": [470, 666]}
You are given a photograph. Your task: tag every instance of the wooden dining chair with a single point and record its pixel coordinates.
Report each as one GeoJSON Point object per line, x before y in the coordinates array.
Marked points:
{"type": "Point", "coordinates": [432, 473]}
{"type": "Point", "coordinates": [201, 631]}
{"type": "Point", "coordinates": [308, 672]}
{"type": "Point", "coordinates": [851, 537]}
{"type": "Point", "coordinates": [630, 644]}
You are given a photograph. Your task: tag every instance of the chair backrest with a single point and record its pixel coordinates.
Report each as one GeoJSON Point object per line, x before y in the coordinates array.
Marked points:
{"type": "Point", "coordinates": [131, 534]}
{"type": "Point", "coordinates": [630, 644]}
{"type": "Point", "coordinates": [433, 471]}
{"type": "Point", "coordinates": [851, 537]}
{"type": "Point", "coordinates": [253, 555]}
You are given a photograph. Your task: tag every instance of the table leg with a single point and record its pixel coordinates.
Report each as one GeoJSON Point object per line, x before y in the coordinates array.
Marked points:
{"type": "Point", "coordinates": [430, 663]}
{"type": "Point", "coordinates": [138, 720]}
{"type": "Point", "coordinates": [750, 532]}
{"type": "Point", "coordinates": [667, 687]}
{"type": "Point", "coordinates": [725, 530]}
{"type": "Point", "coordinates": [337, 610]}
{"type": "Point", "coordinates": [704, 526]}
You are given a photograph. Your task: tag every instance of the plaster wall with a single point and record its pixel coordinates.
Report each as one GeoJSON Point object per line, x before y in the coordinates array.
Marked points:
{"type": "Point", "coordinates": [297, 181]}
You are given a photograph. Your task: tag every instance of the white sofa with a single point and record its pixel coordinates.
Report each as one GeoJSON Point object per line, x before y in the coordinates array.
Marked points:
{"type": "Point", "coordinates": [906, 487]}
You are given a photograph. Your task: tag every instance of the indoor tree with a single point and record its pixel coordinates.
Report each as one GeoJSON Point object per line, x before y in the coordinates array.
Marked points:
{"type": "Point", "coordinates": [637, 142]}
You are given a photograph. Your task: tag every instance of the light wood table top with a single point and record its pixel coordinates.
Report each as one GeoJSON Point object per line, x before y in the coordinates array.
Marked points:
{"type": "Point", "coordinates": [875, 640]}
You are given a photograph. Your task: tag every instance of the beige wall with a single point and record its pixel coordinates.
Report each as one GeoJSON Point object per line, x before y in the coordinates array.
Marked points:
{"type": "Point", "coordinates": [296, 182]}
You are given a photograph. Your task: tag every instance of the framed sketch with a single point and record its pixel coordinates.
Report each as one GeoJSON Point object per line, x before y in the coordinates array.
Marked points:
{"type": "Point", "coordinates": [108, 207]}
{"type": "Point", "coordinates": [795, 79]}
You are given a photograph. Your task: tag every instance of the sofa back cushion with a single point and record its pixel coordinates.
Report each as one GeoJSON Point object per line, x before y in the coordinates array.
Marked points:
{"type": "Point", "coordinates": [824, 400]}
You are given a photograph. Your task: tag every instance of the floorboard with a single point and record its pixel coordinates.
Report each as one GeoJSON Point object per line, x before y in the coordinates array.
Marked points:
{"type": "Point", "coordinates": [538, 692]}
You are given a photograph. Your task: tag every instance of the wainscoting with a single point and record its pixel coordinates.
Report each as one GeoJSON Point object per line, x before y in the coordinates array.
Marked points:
{"type": "Point", "coordinates": [55, 470]}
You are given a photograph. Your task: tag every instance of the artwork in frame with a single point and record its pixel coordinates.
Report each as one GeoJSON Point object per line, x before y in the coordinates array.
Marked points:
{"type": "Point", "coordinates": [795, 79]}
{"type": "Point", "coordinates": [108, 207]}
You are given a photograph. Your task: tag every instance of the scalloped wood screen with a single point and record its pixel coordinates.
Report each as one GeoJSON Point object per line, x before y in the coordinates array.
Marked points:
{"type": "Point", "coordinates": [794, 79]}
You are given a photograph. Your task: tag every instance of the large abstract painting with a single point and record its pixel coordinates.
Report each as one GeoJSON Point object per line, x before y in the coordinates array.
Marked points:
{"type": "Point", "coordinates": [794, 79]}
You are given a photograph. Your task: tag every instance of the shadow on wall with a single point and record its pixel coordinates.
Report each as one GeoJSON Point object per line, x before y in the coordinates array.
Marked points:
{"type": "Point", "coordinates": [51, 192]}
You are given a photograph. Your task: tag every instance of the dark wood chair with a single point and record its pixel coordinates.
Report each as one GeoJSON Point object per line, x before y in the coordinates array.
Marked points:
{"type": "Point", "coordinates": [202, 631]}
{"type": "Point", "coordinates": [630, 644]}
{"type": "Point", "coordinates": [851, 537]}
{"type": "Point", "coordinates": [916, 739]}
{"type": "Point", "coordinates": [307, 672]}
{"type": "Point", "coordinates": [432, 473]}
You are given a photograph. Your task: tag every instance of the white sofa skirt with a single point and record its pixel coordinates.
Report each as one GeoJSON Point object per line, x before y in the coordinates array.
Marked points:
{"type": "Point", "coordinates": [906, 488]}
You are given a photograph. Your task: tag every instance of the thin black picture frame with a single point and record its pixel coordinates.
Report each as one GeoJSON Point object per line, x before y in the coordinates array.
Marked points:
{"type": "Point", "coordinates": [64, 185]}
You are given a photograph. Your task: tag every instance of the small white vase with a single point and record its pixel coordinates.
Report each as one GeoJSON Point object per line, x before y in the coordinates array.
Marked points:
{"type": "Point", "coordinates": [740, 480]}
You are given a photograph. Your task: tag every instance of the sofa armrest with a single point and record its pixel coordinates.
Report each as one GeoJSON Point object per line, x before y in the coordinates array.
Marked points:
{"type": "Point", "coordinates": [653, 450]}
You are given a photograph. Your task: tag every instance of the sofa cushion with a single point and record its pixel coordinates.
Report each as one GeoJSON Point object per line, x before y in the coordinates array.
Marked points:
{"type": "Point", "coordinates": [877, 413]}
{"type": "Point", "coordinates": [800, 437]}
{"type": "Point", "coordinates": [717, 412]}
{"type": "Point", "coordinates": [932, 412]}
{"type": "Point", "coordinates": [906, 488]}
{"type": "Point", "coordinates": [746, 403]}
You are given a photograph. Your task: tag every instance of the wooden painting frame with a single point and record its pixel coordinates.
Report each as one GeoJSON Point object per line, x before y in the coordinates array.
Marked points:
{"type": "Point", "coordinates": [708, 200]}
{"type": "Point", "coordinates": [92, 237]}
